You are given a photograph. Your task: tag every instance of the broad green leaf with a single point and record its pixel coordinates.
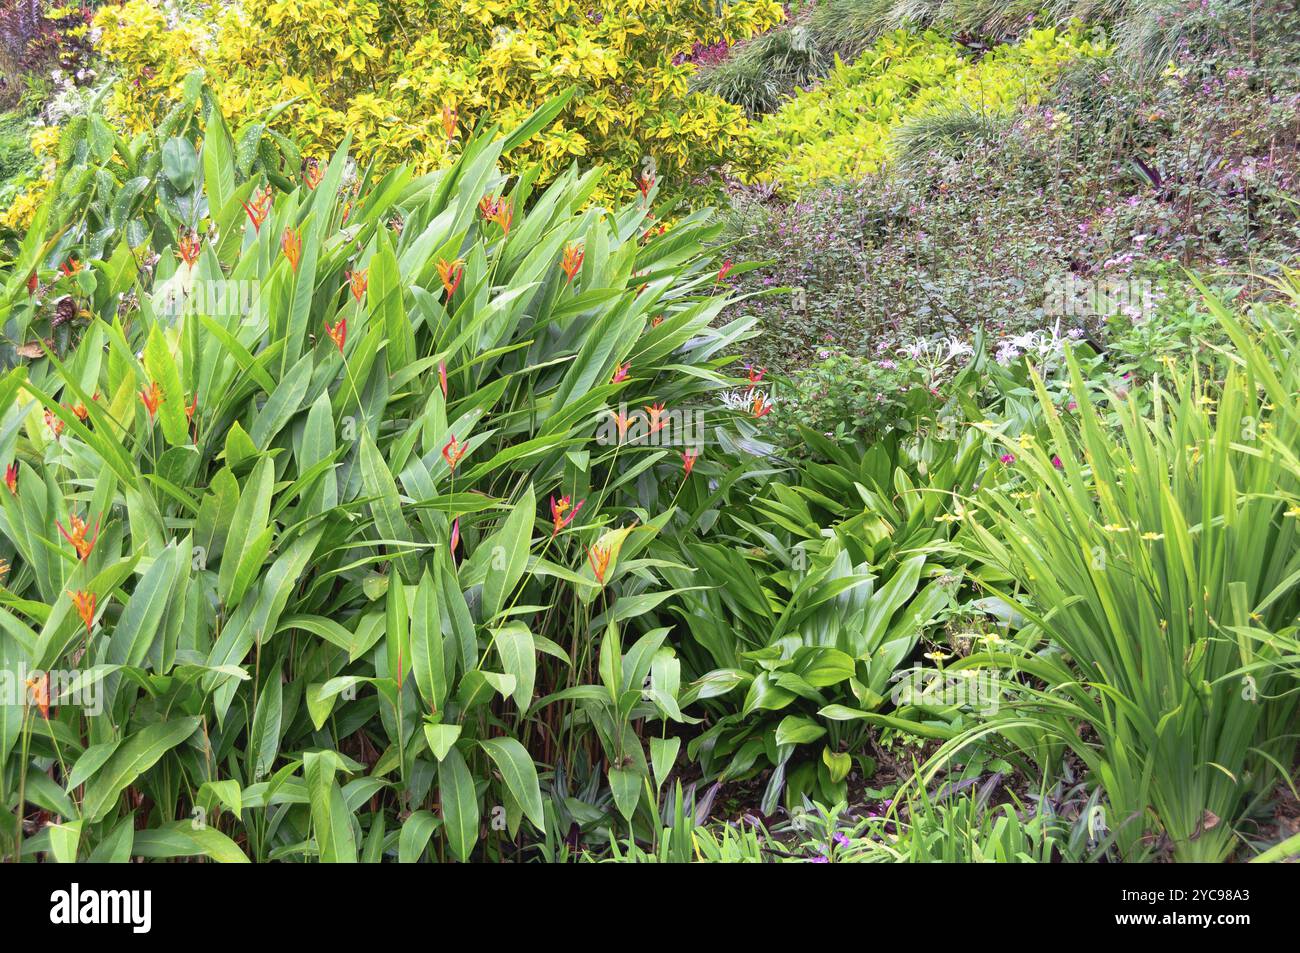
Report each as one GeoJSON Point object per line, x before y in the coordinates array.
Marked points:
{"type": "Point", "coordinates": [514, 644]}
{"type": "Point", "coordinates": [416, 831]}
{"type": "Point", "coordinates": [520, 775]}
{"type": "Point", "coordinates": [460, 812]}
{"type": "Point", "coordinates": [140, 752]}
{"type": "Point", "coordinates": [427, 652]}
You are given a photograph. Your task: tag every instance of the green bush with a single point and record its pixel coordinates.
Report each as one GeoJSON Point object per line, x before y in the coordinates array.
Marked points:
{"type": "Point", "coordinates": [843, 129]}
{"type": "Point", "coordinates": [848, 399]}
{"type": "Point", "coordinates": [311, 544]}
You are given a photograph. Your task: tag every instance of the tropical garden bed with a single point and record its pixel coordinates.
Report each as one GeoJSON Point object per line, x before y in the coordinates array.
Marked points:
{"type": "Point", "coordinates": [553, 432]}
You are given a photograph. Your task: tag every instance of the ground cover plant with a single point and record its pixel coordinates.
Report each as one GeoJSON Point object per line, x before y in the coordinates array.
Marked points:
{"type": "Point", "coordinates": [839, 433]}
{"type": "Point", "coordinates": [1105, 188]}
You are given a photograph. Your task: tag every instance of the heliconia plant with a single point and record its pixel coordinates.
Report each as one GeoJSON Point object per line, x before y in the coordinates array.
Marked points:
{"type": "Point", "coordinates": [292, 540]}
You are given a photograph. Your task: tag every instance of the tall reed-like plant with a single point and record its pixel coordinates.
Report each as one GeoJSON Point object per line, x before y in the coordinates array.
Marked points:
{"type": "Point", "coordinates": [1159, 560]}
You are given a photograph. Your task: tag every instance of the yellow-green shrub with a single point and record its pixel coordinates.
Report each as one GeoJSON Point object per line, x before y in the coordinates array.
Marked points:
{"type": "Point", "coordinates": [843, 129]}
{"type": "Point", "coordinates": [385, 71]}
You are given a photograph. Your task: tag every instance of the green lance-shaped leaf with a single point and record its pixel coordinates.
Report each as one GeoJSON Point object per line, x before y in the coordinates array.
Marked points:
{"type": "Point", "coordinates": [460, 813]}
{"type": "Point", "coordinates": [427, 654]}
{"type": "Point", "coordinates": [160, 365]}
{"type": "Point", "coordinates": [248, 540]}
{"type": "Point", "coordinates": [330, 818]}
{"type": "Point", "coordinates": [416, 831]}
{"type": "Point", "coordinates": [139, 623]}
{"type": "Point", "coordinates": [264, 739]}
{"type": "Point", "coordinates": [384, 296]}
{"type": "Point", "coordinates": [520, 775]}
{"type": "Point", "coordinates": [283, 403]}
{"type": "Point", "coordinates": [185, 839]}
{"type": "Point", "coordinates": [138, 754]}
{"type": "Point", "coordinates": [386, 505]}
{"type": "Point", "coordinates": [508, 550]}
{"type": "Point", "coordinates": [514, 644]}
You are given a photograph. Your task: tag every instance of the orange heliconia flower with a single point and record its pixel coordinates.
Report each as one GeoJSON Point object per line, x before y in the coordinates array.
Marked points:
{"type": "Point", "coordinates": [85, 603]}
{"type": "Point", "coordinates": [453, 451]}
{"type": "Point", "coordinates": [621, 372]}
{"type": "Point", "coordinates": [656, 412]}
{"type": "Point", "coordinates": [724, 270]}
{"type": "Point", "coordinates": [80, 410]}
{"type": "Point", "coordinates": [495, 208]}
{"type": "Point", "coordinates": [312, 175]}
{"type": "Point", "coordinates": [358, 281]}
{"type": "Point", "coordinates": [259, 210]}
{"type": "Point", "coordinates": [11, 478]}
{"type": "Point", "coordinates": [451, 272]}
{"type": "Point", "coordinates": [762, 406]}
{"type": "Point", "coordinates": [645, 183]}
{"type": "Point", "coordinates": [38, 690]}
{"type": "Point", "coordinates": [291, 245]}
{"type": "Point", "coordinates": [79, 535]}
{"type": "Point", "coordinates": [189, 248]}
{"type": "Point", "coordinates": [32, 283]}
{"type": "Point", "coordinates": [339, 333]}
{"type": "Point", "coordinates": [598, 556]}
{"type": "Point", "coordinates": [688, 460]}
{"type": "Point", "coordinates": [563, 512]}
{"type": "Point", "coordinates": [657, 320]}
{"type": "Point", "coordinates": [151, 397]}
{"type": "Point", "coordinates": [54, 422]}
{"type": "Point", "coordinates": [449, 119]}
{"type": "Point", "coordinates": [70, 267]}
{"type": "Point", "coordinates": [573, 255]}
{"type": "Point", "coordinates": [623, 421]}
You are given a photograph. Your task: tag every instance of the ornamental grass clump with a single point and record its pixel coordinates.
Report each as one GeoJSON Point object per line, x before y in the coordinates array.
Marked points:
{"type": "Point", "coordinates": [1159, 564]}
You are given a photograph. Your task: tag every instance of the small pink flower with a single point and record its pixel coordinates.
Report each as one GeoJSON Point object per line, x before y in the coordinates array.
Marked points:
{"type": "Point", "coordinates": [1056, 462]}
{"type": "Point", "coordinates": [1007, 458]}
